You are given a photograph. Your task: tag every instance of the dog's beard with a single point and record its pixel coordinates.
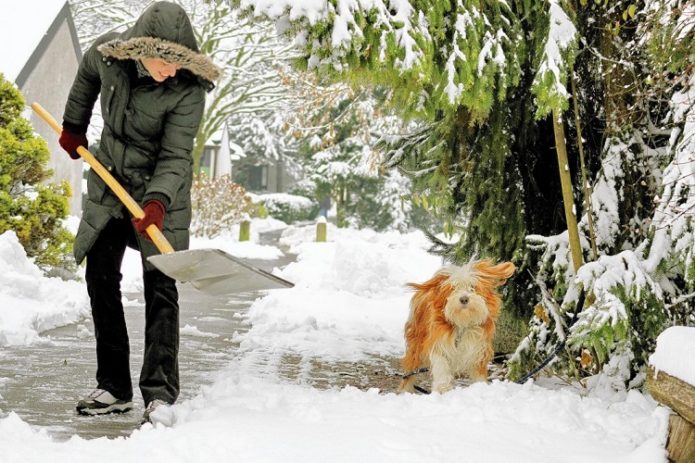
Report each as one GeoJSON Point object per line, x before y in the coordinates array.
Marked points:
{"type": "Point", "coordinates": [472, 312]}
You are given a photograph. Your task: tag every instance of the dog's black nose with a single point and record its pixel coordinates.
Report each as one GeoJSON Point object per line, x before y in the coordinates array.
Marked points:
{"type": "Point", "coordinates": [463, 300]}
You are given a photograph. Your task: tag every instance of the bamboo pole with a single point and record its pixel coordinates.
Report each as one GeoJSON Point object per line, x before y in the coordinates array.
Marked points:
{"type": "Point", "coordinates": [567, 199]}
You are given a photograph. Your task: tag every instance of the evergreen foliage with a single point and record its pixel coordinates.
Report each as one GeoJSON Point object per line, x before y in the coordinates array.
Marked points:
{"type": "Point", "coordinates": [32, 209]}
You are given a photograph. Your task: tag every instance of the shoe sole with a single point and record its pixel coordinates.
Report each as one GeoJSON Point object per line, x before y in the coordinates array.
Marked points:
{"type": "Point", "coordinates": [114, 408]}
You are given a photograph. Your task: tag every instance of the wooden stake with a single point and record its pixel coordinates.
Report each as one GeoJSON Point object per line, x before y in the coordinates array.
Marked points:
{"type": "Point", "coordinates": [245, 230]}
{"type": "Point", "coordinates": [321, 232]}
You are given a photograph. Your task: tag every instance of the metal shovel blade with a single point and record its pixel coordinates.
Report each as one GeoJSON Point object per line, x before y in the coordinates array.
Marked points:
{"type": "Point", "coordinates": [216, 272]}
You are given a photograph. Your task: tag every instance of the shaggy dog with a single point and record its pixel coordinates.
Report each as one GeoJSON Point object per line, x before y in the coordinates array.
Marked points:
{"type": "Point", "coordinates": [452, 323]}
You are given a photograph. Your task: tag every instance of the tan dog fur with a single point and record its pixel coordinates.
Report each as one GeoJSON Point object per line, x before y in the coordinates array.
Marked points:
{"type": "Point", "coordinates": [452, 323]}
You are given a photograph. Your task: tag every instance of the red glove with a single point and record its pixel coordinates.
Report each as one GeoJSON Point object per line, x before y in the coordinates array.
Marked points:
{"type": "Point", "coordinates": [70, 141]}
{"type": "Point", "coordinates": [154, 214]}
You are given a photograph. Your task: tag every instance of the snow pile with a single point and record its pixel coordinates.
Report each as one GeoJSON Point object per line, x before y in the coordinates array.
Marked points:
{"type": "Point", "coordinates": [245, 419]}
{"type": "Point", "coordinates": [675, 349]}
{"type": "Point", "coordinates": [30, 302]}
{"type": "Point", "coordinates": [350, 298]}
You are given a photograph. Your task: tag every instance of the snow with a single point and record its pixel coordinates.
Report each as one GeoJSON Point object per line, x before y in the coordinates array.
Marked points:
{"type": "Point", "coordinates": [22, 26]}
{"type": "Point", "coordinates": [561, 34]}
{"type": "Point", "coordinates": [30, 302]}
{"type": "Point", "coordinates": [349, 303]}
{"type": "Point", "coordinates": [265, 421]}
{"type": "Point", "coordinates": [393, 19]}
{"type": "Point", "coordinates": [675, 349]}
{"type": "Point", "coordinates": [189, 330]}
{"type": "Point", "coordinates": [293, 202]}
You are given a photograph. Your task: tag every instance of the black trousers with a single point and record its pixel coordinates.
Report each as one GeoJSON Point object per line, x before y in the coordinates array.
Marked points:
{"type": "Point", "coordinates": [159, 378]}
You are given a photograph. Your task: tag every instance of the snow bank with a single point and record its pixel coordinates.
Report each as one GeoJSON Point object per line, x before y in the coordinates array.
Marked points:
{"type": "Point", "coordinates": [675, 349]}
{"type": "Point", "coordinates": [350, 299]}
{"type": "Point", "coordinates": [30, 302]}
{"type": "Point", "coordinates": [247, 419]}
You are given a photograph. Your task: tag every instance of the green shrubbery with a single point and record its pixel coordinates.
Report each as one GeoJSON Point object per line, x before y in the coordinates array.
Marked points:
{"type": "Point", "coordinates": [289, 208]}
{"type": "Point", "coordinates": [33, 210]}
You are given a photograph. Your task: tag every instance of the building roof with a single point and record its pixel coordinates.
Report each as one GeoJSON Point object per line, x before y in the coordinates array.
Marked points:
{"type": "Point", "coordinates": [26, 29]}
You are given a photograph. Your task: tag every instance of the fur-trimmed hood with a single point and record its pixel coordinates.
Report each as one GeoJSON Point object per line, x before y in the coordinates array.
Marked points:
{"type": "Point", "coordinates": [163, 31]}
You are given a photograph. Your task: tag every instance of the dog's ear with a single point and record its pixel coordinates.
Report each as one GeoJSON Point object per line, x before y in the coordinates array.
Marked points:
{"type": "Point", "coordinates": [500, 272]}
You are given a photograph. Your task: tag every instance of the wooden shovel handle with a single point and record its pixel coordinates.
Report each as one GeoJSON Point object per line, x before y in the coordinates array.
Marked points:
{"type": "Point", "coordinates": [155, 233]}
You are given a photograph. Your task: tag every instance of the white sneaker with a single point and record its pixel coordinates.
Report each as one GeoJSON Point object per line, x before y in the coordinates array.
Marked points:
{"type": "Point", "coordinates": [101, 402]}
{"type": "Point", "coordinates": [158, 411]}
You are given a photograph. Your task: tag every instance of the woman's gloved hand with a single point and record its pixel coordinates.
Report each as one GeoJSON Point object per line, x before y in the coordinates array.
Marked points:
{"type": "Point", "coordinates": [70, 141]}
{"type": "Point", "coordinates": [154, 214]}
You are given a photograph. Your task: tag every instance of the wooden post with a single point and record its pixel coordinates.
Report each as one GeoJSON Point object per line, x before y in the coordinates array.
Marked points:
{"type": "Point", "coordinates": [321, 231]}
{"type": "Point", "coordinates": [567, 198]}
{"type": "Point", "coordinates": [680, 397]}
{"type": "Point", "coordinates": [245, 230]}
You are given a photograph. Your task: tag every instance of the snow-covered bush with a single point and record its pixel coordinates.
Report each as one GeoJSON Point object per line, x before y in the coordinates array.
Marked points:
{"type": "Point", "coordinates": [218, 203]}
{"type": "Point", "coordinates": [643, 279]}
{"type": "Point", "coordinates": [289, 208]}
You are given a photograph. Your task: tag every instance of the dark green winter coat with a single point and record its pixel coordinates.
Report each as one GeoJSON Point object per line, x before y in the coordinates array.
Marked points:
{"type": "Point", "coordinates": [149, 127]}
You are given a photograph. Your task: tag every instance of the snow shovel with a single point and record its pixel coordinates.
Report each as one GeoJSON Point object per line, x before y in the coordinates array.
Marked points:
{"type": "Point", "coordinates": [210, 270]}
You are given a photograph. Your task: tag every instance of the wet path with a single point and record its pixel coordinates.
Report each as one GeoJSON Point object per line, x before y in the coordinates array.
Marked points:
{"type": "Point", "coordinates": [43, 382]}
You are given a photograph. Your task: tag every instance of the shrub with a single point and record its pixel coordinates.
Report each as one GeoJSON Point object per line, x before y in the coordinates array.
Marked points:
{"type": "Point", "coordinates": [33, 210]}
{"type": "Point", "coordinates": [289, 208]}
{"type": "Point", "coordinates": [218, 203]}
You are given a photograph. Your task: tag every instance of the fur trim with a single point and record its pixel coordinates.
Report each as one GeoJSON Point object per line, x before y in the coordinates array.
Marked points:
{"type": "Point", "coordinates": [152, 47]}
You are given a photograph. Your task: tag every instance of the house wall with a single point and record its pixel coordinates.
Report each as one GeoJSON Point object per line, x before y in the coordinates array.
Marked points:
{"type": "Point", "coordinates": [279, 181]}
{"type": "Point", "coordinates": [49, 84]}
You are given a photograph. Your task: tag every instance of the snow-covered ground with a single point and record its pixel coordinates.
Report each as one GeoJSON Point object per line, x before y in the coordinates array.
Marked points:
{"type": "Point", "coordinates": [349, 302]}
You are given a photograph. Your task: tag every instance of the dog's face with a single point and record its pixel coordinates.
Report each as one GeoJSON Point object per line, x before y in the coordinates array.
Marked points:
{"type": "Point", "coordinates": [465, 308]}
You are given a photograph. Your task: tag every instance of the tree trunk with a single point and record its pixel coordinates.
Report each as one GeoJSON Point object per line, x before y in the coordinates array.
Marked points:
{"type": "Point", "coordinates": [586, 188]}
{"type": "Point", "coordinates": [567, 198]}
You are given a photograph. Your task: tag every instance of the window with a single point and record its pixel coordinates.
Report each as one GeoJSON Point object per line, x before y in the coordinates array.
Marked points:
{"type": "Point", "coordinates": [207, 161]}
{"type": "Point", "coordinates": [258, 178]}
